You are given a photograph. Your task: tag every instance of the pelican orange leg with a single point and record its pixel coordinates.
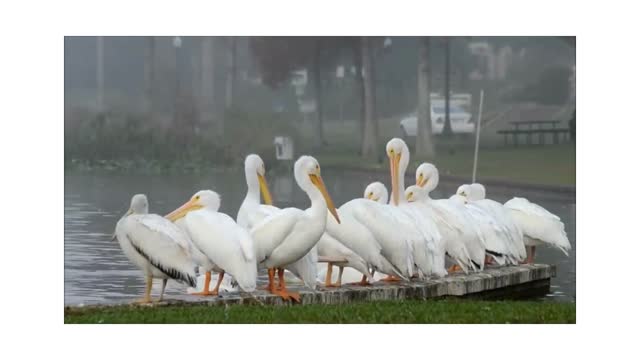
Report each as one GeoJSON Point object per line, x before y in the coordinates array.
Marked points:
{"type": "Point", "coordinates": [282, 288]}
{"type": "Point", "coordinates": [207, 281]}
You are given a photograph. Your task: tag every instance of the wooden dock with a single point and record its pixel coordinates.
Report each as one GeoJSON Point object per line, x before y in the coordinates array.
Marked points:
{"type": "Point", "coordinates": [506, 282]}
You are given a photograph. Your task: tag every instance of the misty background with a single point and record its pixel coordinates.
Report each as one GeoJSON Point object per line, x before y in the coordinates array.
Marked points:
{"type": "Point", "coordinates": [212, 100]}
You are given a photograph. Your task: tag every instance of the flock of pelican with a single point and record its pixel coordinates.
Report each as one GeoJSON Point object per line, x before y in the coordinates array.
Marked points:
{"type": "Point", "coordinates": [405, 235]}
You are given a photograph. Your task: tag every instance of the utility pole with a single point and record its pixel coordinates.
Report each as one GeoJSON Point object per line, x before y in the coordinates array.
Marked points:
{"type": "Point", "coordinates": [100, 74]}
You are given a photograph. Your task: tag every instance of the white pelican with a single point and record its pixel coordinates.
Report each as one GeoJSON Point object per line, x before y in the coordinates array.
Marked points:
{"type": "Point", "coordinates": [424, 238]}
{"type": "Point", "coordinates": [502, 234]}
{"type": "Point", "coordinates": [331, 247]}
{"type": "Point", "coordinates": [205, 264]}
{"type": "Point", "coordinates": [538, 226]}
{"type": "Point", "coordinates": [219, 238]}
{"type": "Point", "coordinates": [377, 192]}
{"type": "Point", "coordinates": [462, 240]}
{"type": "Point", "coordinates": [252, 212]}
{"type": "Point", "coordinates": [432, 240]}
{"type": "Point", "coordinates": [287, 236]}
{"type": "Point", "coordinates": [369, 230]}
{"type": "Point", "coordinates": [159, 248]}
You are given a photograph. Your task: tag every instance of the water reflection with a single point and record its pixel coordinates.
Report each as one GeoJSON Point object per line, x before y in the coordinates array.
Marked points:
{"type": "Point", "coordinates": [96, 271]}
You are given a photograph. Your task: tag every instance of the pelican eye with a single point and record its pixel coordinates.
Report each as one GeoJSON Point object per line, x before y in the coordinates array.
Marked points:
{"type": "Point", "coordinates": [198, 197]}
{"type": "Point", "coordinates": [371, 193]}
{"type": "Point", "coordinates": [410, 194]}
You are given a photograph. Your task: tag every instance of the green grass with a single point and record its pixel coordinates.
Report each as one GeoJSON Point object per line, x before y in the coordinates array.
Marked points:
{"type": "Point", "coordinates": [550, 165]}
{"type": "Point", "coordinates": [386, 312]}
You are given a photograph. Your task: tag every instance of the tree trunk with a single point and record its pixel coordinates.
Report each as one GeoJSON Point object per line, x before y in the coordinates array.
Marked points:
{"type": "Point", "coordinates": [370, 141]}
{"type": "Point", "coordinates": [317, 81]}
{"type": "Point", "coordinates": [424, 140]}
{"type": "Point", "coordinates": [100, 74]}
{"type": "Point", "coordinates": [446, 131]}
{"type": "Point", "coordinates": [357, 61]}
{"type": "Point", "coordinates": [174, 78]}
{"type": "Point", "coordinates": [207, 105]}
{"type": "Point", "coordinates": [149, 50]}
{"type": "Point", "coordinates": [231, 72]}
{"type": "Point", "coordinates": [196, 81]}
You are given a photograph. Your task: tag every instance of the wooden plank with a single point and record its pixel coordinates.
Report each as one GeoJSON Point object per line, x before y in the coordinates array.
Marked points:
{"type": "Point", "coordinates": [335, 260]}
{"type": "Point", "coordinates": [506, 279]}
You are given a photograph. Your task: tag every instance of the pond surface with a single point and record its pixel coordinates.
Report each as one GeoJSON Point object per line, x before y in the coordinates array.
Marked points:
{"type": "Point", "coordinates": [96, 270]}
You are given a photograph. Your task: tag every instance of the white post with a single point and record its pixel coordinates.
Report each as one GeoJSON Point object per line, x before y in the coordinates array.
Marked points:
{"type": "Point", "coordinates": [475, 154]}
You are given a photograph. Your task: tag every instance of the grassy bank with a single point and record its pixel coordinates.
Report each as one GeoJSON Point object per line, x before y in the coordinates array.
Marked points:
{"type": "Point", "coordinates": [430, 312]}
{"type": "Point", "coordinates": [123, 143]}
{"type": "Point", "coordinates": [549, 165]}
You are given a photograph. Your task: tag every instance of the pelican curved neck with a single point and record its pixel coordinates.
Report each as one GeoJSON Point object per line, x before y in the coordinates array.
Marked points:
{"type": "Point", "coordinates": [318, 206]}
{"type": "Point", "coordinates": [253, 187]}
{"type": "Point", "coordinates": [318, 203]}
{"type": "Point", "coordinates": [432, 183]}
{"type": "Point", "coordinates": [402, 169]}
{"type": "Point", "coordinates": [252, 199]}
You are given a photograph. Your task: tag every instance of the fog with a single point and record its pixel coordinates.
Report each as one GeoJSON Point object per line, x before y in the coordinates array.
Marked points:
{"type": "Point", "coordinates": [191, 85]}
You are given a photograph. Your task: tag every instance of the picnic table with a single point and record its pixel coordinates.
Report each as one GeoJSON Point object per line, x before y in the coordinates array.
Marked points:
{"type": "Point", "coordinates": [533, 127]}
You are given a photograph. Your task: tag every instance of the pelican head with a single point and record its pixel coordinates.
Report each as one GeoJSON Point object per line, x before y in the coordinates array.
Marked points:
{"type": "Point", "coordinates": [415, 193]}
{"type": "Point", "coordinates": [398, 153]}
{"type": "Point", "coordinates": [478, 191]}
{"type": "Point", "coordinates": [427, 176]}
{"type": "Point", "coordinates": [376, 191]}
{"type": "Point", "coordinates": [139, 204]}
{"type": "Point", "coordinates": [206, 199]}
{"type": "Point", "coordinates": [254, 169]}
{"type": "Point", "coordinates": [307, 173]}
{"type": "Point", "coordinates": [465, 191]}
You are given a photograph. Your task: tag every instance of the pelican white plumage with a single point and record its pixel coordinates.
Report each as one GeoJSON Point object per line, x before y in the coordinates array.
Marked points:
{"type": "Point", "coordinates": [502, 235]}
{"type": "Point", "coordinates": [538, 225]}
{"type": "Point", "coordinates": [252, 212]}
{"type": "Point", "coordinates": [462, 240]}
{"type": "Point", "coordinates": [331, 247]}
{"type": "Point", "coordinates": [155, 245]}
{"type": "Point", "coordinates": [218, 237]}
{"type": "Point", "coordinates": [422, 231]}
{"type": "Point", "coordinates": [287, 236]}
{"type": "Point", "coordinates": [204, 263]}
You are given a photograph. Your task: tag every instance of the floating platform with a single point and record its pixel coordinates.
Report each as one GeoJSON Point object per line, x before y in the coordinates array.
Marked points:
{"type": "Point", "coordinates": [506, 282]}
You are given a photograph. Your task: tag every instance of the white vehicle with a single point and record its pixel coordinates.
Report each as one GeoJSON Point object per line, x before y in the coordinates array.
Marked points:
{"type": "Point", "coordinates": [461, 121]}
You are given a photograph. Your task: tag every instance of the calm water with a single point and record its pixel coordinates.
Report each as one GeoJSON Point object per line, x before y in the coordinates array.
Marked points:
{"type": "Point", "coordinates": [96, 271]}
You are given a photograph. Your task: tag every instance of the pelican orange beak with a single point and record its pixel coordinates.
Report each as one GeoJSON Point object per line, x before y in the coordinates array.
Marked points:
{"type": "Point", "coordinates": [180, 212]}
{"type": "Point", "coordinates": [421, 181]}
{"type": "Point", "coordinates": [264, 190]}
{"type": "Point", "coordinates": [317, 182]}
{"type": "Point", "coordinates": [394, 160]}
